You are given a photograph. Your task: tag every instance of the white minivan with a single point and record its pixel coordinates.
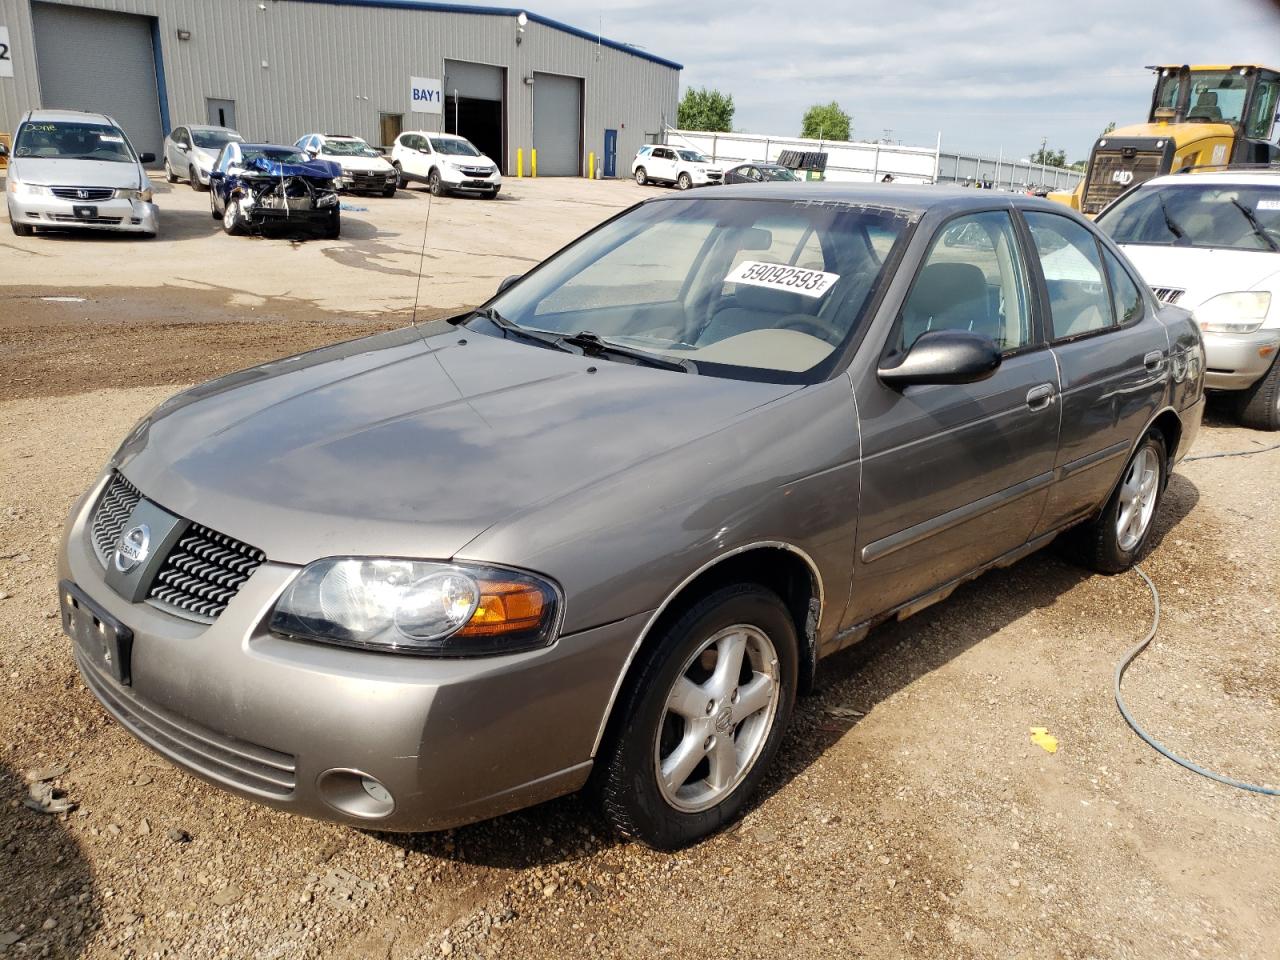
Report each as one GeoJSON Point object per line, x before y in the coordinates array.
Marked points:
{"type": "Point", "coordinates": [445, 163]}
{"type": "Point", "coordinates": [1210, 243]}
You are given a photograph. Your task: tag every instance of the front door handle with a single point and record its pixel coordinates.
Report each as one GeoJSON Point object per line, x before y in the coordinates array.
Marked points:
{"type": "Point", "coordinates": [1041, 396]}
{"type": "Point", "coordinates": [1153, 360]}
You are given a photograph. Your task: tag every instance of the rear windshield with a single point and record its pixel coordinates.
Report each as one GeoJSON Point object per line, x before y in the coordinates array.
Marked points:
{"type": "Point", "coordinates": [1190, 214]}
{"type": "Point", "coordinates": [214, 139]}
{"type": "Point", "coordinates": [747, 289]}
{"type": "Point", "coordinates": [72, 141]}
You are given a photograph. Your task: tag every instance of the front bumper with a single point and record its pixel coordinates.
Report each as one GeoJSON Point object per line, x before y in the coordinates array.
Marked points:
{"type": "Point", "coordinates": [287, 723]}
{"type": "Point", "coordinates": [1235, 361]}
{"type": "Point", "coordinates": [374, 182]}
{"type": "Point", "coordinates": [131, 216]}
{"type": "Point", "coordinates": [457, 180]}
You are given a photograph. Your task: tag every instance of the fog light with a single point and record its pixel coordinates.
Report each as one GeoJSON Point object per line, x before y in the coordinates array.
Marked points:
{"type": "Point", "coordinates": [356, 794]}
{"type": "Point", "coordinates": [375, 790]}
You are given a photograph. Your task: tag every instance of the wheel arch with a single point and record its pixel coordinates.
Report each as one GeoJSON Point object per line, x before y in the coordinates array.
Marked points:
{"type": "Point", "coordinates": [779, 566]}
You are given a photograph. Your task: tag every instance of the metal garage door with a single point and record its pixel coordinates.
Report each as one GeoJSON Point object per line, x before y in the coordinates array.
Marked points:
{"type": "Point", "coordinates": [99, 61]}
{"type": "Point", "coordinates": [557, 124]}
{"type": "Point", "coordinates": [473, 106]}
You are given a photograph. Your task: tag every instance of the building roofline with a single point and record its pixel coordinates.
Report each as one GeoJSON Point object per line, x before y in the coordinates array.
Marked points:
{"type": "Point", "coordinates": [435, 7]}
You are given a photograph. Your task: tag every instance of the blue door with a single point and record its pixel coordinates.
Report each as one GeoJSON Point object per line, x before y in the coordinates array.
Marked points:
{"type": "Point", "coordinates": [611, 153]}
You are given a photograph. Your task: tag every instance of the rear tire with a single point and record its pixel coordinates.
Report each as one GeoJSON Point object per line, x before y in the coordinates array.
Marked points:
{"type": "Point", "coordinates": [169, 175]}
{"type": "Point", "coordinates": [710, 759]}
{"type": "Point", "coordinates": [641, 177]}
{"type": "Point", "coordinates": [401, 182]}
{"type": "Point", "coordinates": [1259, 405]}
{"type": "Point", "coordinates": [1118, 537]}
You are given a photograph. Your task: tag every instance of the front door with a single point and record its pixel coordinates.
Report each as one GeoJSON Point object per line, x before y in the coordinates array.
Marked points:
{"type": "Point", "coordinates": [954, 476]}
{"type": "Point", "coordinates": [611, 153]}
{"type": "Point", "coordinates": [1113, 356]}
{"type": "Point", "coordinates": [222, 113]}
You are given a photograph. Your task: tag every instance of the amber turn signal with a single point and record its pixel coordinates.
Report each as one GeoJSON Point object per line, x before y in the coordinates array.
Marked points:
{"type": "Point", "coordinates": [505, 607]}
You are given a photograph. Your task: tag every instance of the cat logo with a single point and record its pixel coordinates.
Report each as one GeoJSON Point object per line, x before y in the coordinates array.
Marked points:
{"type": "Point", "coordinates": [1122, 177]}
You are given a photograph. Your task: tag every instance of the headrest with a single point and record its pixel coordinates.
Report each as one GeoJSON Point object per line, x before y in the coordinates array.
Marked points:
{"type": "Point", "coordinates": [943, 285]}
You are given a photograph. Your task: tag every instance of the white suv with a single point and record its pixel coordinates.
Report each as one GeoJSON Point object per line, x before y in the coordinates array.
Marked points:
{"type": "Point", "coordinates": [1210, 242]}
{"type": "Point", "coordinates": [445, 163]}
{"type": "Point", "coordinates": [364, 170]}
{"type": "Point", "coordinates": [678, 166]}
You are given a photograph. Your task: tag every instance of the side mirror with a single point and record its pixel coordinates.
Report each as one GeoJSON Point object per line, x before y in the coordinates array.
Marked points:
{"type": "Point", "coordinates": [508, 281]}
{"type": "Point", "coordinates": [944, 356]}
{"type": "Point", "coordinates": [182, 147]}
{"type": "Point", "coordinates": [4, 150]}
{"type": "Point", "coordinates": [146, 158]}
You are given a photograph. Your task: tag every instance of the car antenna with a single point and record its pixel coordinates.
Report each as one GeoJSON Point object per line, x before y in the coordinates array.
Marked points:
{"type": "Point", "coordinates": [422, 258]}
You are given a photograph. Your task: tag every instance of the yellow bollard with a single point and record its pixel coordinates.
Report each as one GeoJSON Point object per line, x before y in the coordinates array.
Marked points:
{"type": "Point", "coordinates": [533, 162]}
{"type": "Point", "coordinates": [591, 166]}
{"type": "Point", "coordinates": [520, 161]}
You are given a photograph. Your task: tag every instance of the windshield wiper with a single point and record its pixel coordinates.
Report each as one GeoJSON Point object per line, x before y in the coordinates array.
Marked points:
{"type": "Point", "coordinates": [1169, 222]}
{"type": "Point", "coordinates": [510, 328]}
{"type": "Point", "coordinates": [1255, 225]}
{"type": "Point", "coordinates": [593, 345]}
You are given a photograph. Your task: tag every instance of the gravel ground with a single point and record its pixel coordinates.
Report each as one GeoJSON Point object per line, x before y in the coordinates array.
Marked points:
{"type": "Point", "coordinates": [911, 814]}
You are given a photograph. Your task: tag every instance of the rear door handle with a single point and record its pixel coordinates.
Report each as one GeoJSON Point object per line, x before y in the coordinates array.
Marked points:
{"type": "Point", "coordinates": [1153, 360]}
{"type": "Point", "coordinates": [1041, 396]}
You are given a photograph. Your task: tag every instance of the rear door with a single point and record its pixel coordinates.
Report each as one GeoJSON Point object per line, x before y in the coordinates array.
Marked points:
{"type": "Point", "coordinates": [1112, 354]}
{"type": "Point", "coordinates": [663, 165]}
{"type": "Point", "coordinates": [955, 476]}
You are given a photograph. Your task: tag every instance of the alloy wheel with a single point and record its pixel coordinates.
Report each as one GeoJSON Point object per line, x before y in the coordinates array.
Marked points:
{"type": "Point", "coordinates": [717, 718]}
{"type": "Point", "coordinates": [1139, 491]}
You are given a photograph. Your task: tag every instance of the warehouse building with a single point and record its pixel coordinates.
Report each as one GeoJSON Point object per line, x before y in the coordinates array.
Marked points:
{"type": "Point", "coordinates": [510, 80]}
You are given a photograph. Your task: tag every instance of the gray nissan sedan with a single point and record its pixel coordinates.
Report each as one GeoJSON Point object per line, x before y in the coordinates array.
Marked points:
{"type": "Point", "coordinates": [599, 531]}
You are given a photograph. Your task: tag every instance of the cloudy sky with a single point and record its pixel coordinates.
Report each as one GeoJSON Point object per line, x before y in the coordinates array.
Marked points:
{"type": "Point", "coordinates": [987, 75]}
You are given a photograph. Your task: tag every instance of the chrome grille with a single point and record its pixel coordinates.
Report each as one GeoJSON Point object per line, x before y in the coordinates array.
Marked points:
{"type": "Point", "coordinates": [1168, 294]}
{"type": "Point", "coordinates": [83, 194]}
{"type": "Point", "coordinates": [118, 499]}
{"type": "Point", "coordinates": [203, 571]}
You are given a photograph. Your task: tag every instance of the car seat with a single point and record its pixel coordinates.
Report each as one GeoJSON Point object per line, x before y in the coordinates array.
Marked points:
{"type": "Point", "coordinates": [758, 308]}
{"type": "Point", "coordinates": [948, 296]}
{"type": "Point", "coordinates": [1206, 107]}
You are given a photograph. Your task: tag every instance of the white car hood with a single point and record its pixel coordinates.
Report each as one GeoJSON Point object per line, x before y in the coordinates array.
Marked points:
{"type": "Point", "coordinates": [358, 164]}
{"type": "Point", "coordinates": [1205, 272]}
{"type": "Point", "coordinates": [53, 172]}
{"type": "Point", "coordinates": [204, 159]}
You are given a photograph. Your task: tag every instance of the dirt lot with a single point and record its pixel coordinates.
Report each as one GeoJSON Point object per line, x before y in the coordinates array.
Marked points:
{"type": "Point", "coordinates": [911, 815]}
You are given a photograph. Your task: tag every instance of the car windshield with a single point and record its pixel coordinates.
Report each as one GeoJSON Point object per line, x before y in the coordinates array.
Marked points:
{"type": "Point", "coordinates": [348, 148]}
{"type": "Point", "coordinates": [456, 148]}
{"type": "Point", "coordinates": [275, 154]}
{"type": "Point", "coordinates": [214, 139]}
{"type": "Point", "coordinates": [72, 141]}
{"type": "Point", "coordinates": [1191, 214]}
{"type": "Point", "coordinates": [778, 173]}
{"type": "Point", "coordinates": [747, 289]}
{"type": "Point", "coordinates": [692, 156]}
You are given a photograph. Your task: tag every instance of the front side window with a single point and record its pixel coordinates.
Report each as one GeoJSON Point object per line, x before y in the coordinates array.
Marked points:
{"type": "Point", "coordinates": [1196, 213]}
{"type": "Point", "coordinates": [972, 279]}
{"type": "Point", "coordinates": [1263, 112]}
{"type": "Point", "coordinates": [756, 289]}
{"type": "Point", "coordinates": [1079, 299]}
{"type": "Point", "coordinates": [454, 147]}
{"type": "Point", "coordinates": [72, 141]}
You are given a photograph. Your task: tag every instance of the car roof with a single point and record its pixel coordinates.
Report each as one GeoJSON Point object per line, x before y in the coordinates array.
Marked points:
{"type": "Point", "coordinates": [266, 146]}
{"type": "Point", "coordinates": [53, 116]}
{"type": "Point", "coordinates": [340, 136]}
{"type": "Point", "coordinates": [911, 198]}
{"type": "Point", "coordinates": [206, 126]}
{"type": "Point", "coordinates": [1269, 178]}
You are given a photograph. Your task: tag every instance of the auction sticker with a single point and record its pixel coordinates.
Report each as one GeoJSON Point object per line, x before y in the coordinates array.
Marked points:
{"type": "Point", "coordinates": [780, 276]}
{"type": "Point", "coordinates": [1269, 204]}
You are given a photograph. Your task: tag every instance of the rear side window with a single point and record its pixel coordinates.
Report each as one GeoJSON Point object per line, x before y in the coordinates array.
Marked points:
{"type": "Point", "coordinates": [1079, 298]}
{"type": "Point", "coordinates": [1126, 298]}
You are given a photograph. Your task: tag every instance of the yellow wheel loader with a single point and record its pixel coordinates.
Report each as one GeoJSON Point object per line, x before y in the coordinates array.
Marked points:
{"type": "Point", "coordinates": [1202, 117]}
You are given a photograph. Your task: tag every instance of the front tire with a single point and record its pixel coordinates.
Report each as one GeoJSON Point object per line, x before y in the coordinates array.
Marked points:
{"type": "Point", "coordinates": [21, 229]}
{"type": "Point", "coordinates": [641, 176]}
{"type": "Point", "coordinates": [1259, 405]}
{"type": "Point", "coordinates": [233, 219]}
{"type": "Point", "coordinates": [333, 228]}
{"type": "Point", "coordinates": [390, 191]}
{"type": "Point", "coordinates": [684, 181]}
{"type": "Point", "coordinates": [1118, 537]}
{"type": "Point", "coordinates": [435, 184]}
{"type": "Point", "coordinates": [700, 719]}
{"type": "Point", "coordinates": [196, 185]}
{"type": "Point", "coordinates": [213, 206]}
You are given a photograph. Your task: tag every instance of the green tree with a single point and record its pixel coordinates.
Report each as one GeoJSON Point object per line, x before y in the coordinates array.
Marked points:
{"type": "Point", "coordinates": [1049, 157]}
{"type": "Point", "coordinates": [826, 121]}
{"type": "Point", "coordinates": [704, 109]}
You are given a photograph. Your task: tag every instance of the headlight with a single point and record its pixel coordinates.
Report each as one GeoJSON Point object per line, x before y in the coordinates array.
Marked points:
{"type": "Point", "coordinates": [1241, 312]}
{"type": "Point", "coordinates": [143, 195]}
{"type": "Point", "coordinates": [417, 607]}
{"type": "Point", "coordinates": [19, 188]}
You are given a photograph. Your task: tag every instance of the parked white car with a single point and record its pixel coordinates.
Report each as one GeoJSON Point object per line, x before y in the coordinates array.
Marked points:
{"type": "Point", "coordinates": [1210, 242]}
{"type": "Point", "coordinates": [364, 169]}
{"type": "Point", "coordinates": [191, 151]}
{"type": "Point", "coordinates": [678, 166]}
{"type": "Point", "coordinates": [445, 163]}
{"type": "Point", "coordinates": [72, 169]}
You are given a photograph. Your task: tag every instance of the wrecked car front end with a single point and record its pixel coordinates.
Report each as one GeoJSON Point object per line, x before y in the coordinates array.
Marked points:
{"type": "Point", "coordinates": [269, 193]}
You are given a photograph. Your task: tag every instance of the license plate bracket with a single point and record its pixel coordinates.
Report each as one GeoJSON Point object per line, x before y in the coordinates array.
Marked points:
{"type": "Point", "coordinates": [96, 632]}
{"type": "Point", "coordinates": [85, 212]}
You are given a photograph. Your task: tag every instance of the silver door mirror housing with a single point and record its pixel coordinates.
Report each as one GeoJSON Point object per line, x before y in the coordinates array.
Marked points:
{"type": "Point", "coordinates": [943, 356]}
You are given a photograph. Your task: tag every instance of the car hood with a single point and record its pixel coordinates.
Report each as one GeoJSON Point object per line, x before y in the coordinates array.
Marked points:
{"type": "Point", "coordinates": [1204, 272]}
{"type": "Point", "coordinates": [54, 172]}
{"type": "Point", "coordinates": [413, 443]}
{"type": "Point", "coordinates": [359, 164]}
{"type": "Point", "coordinates": [203, 158]}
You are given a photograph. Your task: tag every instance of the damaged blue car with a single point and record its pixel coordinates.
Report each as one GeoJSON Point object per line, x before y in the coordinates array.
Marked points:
{"type": "Point", "coordinates": [254, 186]}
